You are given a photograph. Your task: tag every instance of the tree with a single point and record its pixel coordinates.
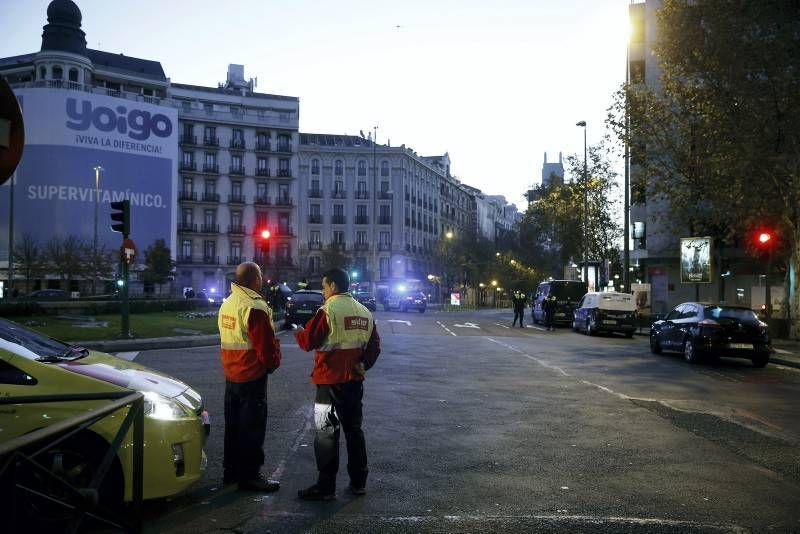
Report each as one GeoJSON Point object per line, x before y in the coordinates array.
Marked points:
{"type": "Point", "coordinates": [29, 258]}
{"type": "Point", "coordinates": [159, 267]}
{"type": "Point", "coordinates": [334, 255]}
{"type": "Point", "coordinates": [65, 257]}
{"type": "Point", "coordinates": [722, 133]}
{"type": "Point", "coordinates": [98, 264]}
{"type": "Point", "coordinates": [553, 226]}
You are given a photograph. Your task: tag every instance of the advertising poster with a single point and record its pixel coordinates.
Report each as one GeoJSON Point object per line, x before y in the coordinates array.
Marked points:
{"type": "Point", "coordinates": [695, 260]}
{"type": "Point", "coordinates": [455, 299]}
{"type": "Point", "coordinates": [641, 295]}
{"type": "Point", "coordinates": [67, 135]}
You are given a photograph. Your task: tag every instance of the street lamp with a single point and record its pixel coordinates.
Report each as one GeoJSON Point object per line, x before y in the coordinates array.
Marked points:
{"type": "Point", "coordinates": [449, 235]}
{"type": "Point", "coordinates": [582, 124]}
{"type": "Point", "coordinates": [97, 170]}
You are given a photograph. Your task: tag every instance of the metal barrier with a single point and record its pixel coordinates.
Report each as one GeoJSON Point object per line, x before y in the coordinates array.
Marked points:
{"type": "Point", "coordinates": [16, 460]}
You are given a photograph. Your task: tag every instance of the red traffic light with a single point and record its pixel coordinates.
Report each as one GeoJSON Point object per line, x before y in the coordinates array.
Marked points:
{"type": "Point", "coordinates": [764, 238]}
{"type": "Point", "coordinates": [265, 234]}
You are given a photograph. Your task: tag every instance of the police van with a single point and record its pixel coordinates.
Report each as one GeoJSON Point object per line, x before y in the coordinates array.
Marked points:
{"type": "Point", "coordinates": [567, 293]}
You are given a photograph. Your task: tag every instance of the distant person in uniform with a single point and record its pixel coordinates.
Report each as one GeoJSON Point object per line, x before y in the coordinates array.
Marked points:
{"type": "Point", "coordinates": [549, 308]}
{"type": "Point", "coordinates": [518, 301]}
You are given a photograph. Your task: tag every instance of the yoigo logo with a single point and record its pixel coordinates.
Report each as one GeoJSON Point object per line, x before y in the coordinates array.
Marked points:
{"type": "Point", "coordinates": [137, 124]}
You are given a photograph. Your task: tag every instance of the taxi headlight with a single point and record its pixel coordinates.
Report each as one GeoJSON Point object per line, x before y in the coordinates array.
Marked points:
{"type": "Point", "coordinates": [161, 407]}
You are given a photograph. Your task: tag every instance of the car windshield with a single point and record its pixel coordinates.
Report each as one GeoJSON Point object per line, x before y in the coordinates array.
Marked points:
{"type": "Point", "coordinates": [723, 314]}
{"type": "Point", "coordinates": [307, 297]}
{"type": "Point", "coordinates": [47, 348]}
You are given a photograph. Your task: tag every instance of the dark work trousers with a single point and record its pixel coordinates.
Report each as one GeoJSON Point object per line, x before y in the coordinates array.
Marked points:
{"type": "Point", "coordinates": [245, 427]}
{"type": "Point", "coordinates": [335, 405]}
{"type": "Point", "coordinates": [519, 313]}
{"type": "Point", "coordinates": [548, 319]}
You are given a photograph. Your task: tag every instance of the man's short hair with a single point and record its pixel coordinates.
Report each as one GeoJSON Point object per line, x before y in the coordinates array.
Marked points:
{"type": "Point", "coordinates": [339, 277]}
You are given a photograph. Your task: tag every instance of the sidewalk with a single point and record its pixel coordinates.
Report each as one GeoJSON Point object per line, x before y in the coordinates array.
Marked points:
{"type": "Point", "coordinates": [786, 352]}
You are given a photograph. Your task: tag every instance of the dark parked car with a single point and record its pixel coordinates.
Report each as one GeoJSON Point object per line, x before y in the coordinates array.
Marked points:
{"type": "Point", "coordinates": [366, 298]}
{"type": "Point", "coordinates": [605, 312]}
{"type": "Point", "coordinates": [48, 294]}
{"type": "Point", "coordinates": [404, 301]}
{"type": "Point", "coordinates": [699, 330]}
{"type": "Point", "coordinates": [302, 306]}
{"type": "Point", "coordinates": [567, 293]}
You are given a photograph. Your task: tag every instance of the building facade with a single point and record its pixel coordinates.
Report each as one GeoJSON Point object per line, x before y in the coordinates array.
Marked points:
{"type": "Point", "coordinates": [552, 173]}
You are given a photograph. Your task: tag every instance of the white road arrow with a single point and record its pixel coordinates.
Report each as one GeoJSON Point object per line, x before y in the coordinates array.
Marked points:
{"type": "Point", "coordinates": [399, 321]}
{"type": "Point", "coordinates": [467, 325]}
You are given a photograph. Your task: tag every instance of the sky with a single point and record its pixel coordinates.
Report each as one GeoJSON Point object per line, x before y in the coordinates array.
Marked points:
{"type": "Point", "coordinates": [494, 84]}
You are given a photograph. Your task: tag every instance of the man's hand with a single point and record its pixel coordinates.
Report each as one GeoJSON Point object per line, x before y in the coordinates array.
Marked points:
{"type": "Point", "coordinates": [358, 369]}
{"type": "Point", "coordinates": [297, 329]}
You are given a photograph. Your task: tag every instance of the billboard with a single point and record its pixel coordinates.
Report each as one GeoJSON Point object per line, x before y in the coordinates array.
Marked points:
{"type": "Point", "coordinates": [641, 295]}
{"type": "Point", "coordinates": [68, 134]}
{"type": "Point", "coordinates": [696, 260]}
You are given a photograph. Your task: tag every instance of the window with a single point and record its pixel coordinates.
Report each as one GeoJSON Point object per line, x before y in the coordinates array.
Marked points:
{"type": "Point", "coordinates": [283, 192]}
{"type": "Point", "coordinates": [73, 75]}
{"type": "Point", "coordinates": [315, 166]}
{"type": "Point", "coordinates": [261, 190]}
{"type": "Point", "coordinates": [338, 237]}
{"type": "Point", "coordinates": [361, 211]}
{"type": "Point", "coordinates": [209, 249]}
{"type": "Point", "coordinates": [188, 130]}
{"type": "Point", "coordinates": [211, 159]}
{"type": "Point", "coordinates": [338, 187]}
{"type": "Point", "coordinates": [283, 223]}
{"type": "Point", "coordinates": [210, 133]}
{"type": "Point", "coordinates": [261, 164]}
{"type": "Point", "coordinates": [11, 375]}
{"type": "Point", "coordinates": [188, 185]}
{"type": "Point", "coordinates": [186, 106]}
{"type": "Point", "coordinates": [237, 138]}
{"type": "Point", "coordinates": [42, 73]}
{"type": "Point", "coordinates": [58, 73]}
{"type": "Point", "coordinates": [284, 253]}
{"type": "Point", "coordinates": [385, 212]}
{"type": "Point", "coordinates": [362, 168]}
{"type": "Point", "coordinates": [338, 168]}
{"type": "Point", "coordinates": [315, 185]}
{"type": "Point", "coordinates": [209, 217]}
{"type": "Point", "coordinates": [188, 158]}
{"type": "Point", "coordinates": [338, 210]}
{"type": "Point", "coordinates": [283, 165]}
{"type": "Point", "coordinates": [384, 168]}
{"type": "Point", "coordinates": [236, 163]}
{"type": "Point", "coordinates": [384, 187]}
{"type": "Point", "coordinates": [314, 264]}
{"type": "Point", "coordinates": [361, 238]}
{"type": "Point", "coordinates": [384, 267]}
{"type": "Point", "coordinates": [261, 220]}
{"type": "Point", "coordinates": [385, 238]}
{"type": "Point", "coordinates": [362, 189]}
{"type": "Point", "coordinates": [210, 187]}
{"type": "Point", "coordinates": [314, 210]}
{"type": "Point", "coordinates": [186, 216]}
{"type": "Point", "coordinates": [236, 249]}
{"type": "Point", "coordinates": [236, 219]}
{"type": "Point", "coordinates": [186, 248]}
{"type": "Point", "coordinates": [314, 237]}
{"type": "Point", "coordinates": [262, 141]}
{"type": "Point", "coordinates": [208, 108]}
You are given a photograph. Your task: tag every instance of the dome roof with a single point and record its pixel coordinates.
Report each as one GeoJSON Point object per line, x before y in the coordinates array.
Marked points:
{"type": "Point", "coordinates": [64, 12]}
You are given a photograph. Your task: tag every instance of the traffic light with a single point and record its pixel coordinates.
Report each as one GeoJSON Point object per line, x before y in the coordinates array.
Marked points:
{"type": "Point", "coordinates": [765, 238]}
{"type": "Point", "coordinates": [121, 217]}
{"type": "Point", "coordinates": [264, 234]}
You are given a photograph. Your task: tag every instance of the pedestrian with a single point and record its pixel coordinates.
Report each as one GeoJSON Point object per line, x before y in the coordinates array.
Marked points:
{"type": "Point", "coordinates": [342, 333]}
{"type": "Point", "coordinates": [249, 352]}
{"type": "Point", "coordinates": [549, 306]}
{"type": "Point", "coordinates": [518, 302]}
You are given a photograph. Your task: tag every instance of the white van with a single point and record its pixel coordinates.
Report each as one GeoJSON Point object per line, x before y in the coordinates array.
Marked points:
{"type": "Point", "coordinates": [606, 312]}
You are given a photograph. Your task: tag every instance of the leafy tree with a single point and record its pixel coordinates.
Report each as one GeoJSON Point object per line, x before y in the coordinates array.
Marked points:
{"type": "Point", "coordinates": [29, 258]}
{"type": "Point", "coordinates": [65, 257]}
{"type": "Point", "coordinates": [335, 256]}
{"type": "Point", "coordinates": [98, 264]}
{"type": "Point", "coordinates": [722, 132]}
{"type": "Point", "coordinates": [159, 267]}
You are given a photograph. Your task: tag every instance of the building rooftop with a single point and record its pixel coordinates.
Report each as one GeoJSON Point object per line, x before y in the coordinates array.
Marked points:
{"type": "Point", "coordinates": [336, 140]}
{"type": "Point", "coordinates": [233, 92]}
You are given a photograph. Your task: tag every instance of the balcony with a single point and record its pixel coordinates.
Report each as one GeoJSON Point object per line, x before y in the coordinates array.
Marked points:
{"type": "Point", "coordinates": [385, 195]}
{"type": "Point", "coordinates": [185, 260]}
{"type": "Point", "coordinates": [338, 193]}
{"type": "Point", "coordinates": [284, 173]}
{"type": "Point", "coordinates": [186, 227]}
{"type": "Point", "coordinates": [263, 172]}
{"type": "Point", "coordinates": [210, 260]}
{"type": "Point", "coordinates": [190, 196]}
{"type": "Point", "coordinates": [384, 219]}
{"type": "Point", "coordinates": [262, 200]}
{"type": "Point", "coordinates": [263, 146]}
{"type": "Point", "coordinates": [188, 140]}
{"type": "Point", "coordinates": [235, 260]}
{"type": "Point", "coordinates": [211, 141]}
{"type": "Point", "coordinates": [237, 144]}
{"type": "Point", "coordinates": [212, 168]}
{"type": "Point", "coordinates": [315, 219]}
{"type": "Point", "coordinates": [210, 197]}
{"type": "Point", "coordinates": [339, 246]}
{"type": "Point", "coordinates": [284, 231]}
{"type": "Point", "coordinates": [239, 171]}
{"type": "Point", "coordinates": [285, 147]}
{"type": "Point", "coordinates": [362, 219]}
{"type": "Point", "coordinates": [362, 194]}
{"type": "Point", "coordinates": [283, 201]}
{"type": "Point", "coordinates": [262, 259]}
{"type": "Point", "coordinates": [236, 198]}
{"type": "Point", "coordinates": [188, 166]}
{"type": "Point", "coordinates": [338, 219]}
{"type": "Point", "coordinates": [384, 246]}
{"type": "Point", "coordinates": [314, 193]}
{"type": "Point", "coordinates": [314, 245]}
{"type": "Point", "coordinates": [209, 229]}
{"type": "Point", "coordinates": [361, 246]}
{"type": "Point", "coordinates": [237, 229]}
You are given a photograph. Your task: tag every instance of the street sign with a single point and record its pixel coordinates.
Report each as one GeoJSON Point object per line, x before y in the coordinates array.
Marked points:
{"type": "Point", "coordinates": [12, 131]}
{"type": "Point", "coordinates": [455, 298]}
{"type": "Point", "coordinates": [128, 251]}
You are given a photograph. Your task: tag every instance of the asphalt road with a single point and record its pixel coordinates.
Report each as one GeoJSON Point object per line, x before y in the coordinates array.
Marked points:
{"type": "Point", "coordinates": [474, 426]}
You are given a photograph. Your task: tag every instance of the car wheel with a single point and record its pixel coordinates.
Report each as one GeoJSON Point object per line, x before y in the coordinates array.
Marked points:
{"type": "Point", "coordinates": [591, 328]}
{"type": "Point", "coordinates": [655, 344]}
{"type": "Point", "coordinates": [690, 351]}
{"type": "Point", "coordinates": [574, 326]}
{"type": "Point", "coordinates": [760, 360]}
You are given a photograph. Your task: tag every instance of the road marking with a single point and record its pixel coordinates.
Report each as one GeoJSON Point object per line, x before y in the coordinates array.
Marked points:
{"type": "Point", "coordinates": [540, 329]}
{"type": "Point", "coordinates": [443, 326]}
{"type": "Point", "coordinates": [781, 351]}
{"type": "Point", "coordinates": [467, 325]}
{"type": "Point", "coordinates": [399, 321]}
{"type": "Point", "coordinates": [503, 326]}
{"type": "Point", "coordinates": [130, 356]}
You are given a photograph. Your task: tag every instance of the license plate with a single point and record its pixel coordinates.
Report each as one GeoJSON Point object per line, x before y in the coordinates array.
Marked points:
{"type": "Point", "coordinates": [748, 346]}
{"type": "Point", "coordinates": [607, 321]}
{"type": "Point", "coordinates": [307, 312]}
{"type": "Point", "coordinates": [559, 315]}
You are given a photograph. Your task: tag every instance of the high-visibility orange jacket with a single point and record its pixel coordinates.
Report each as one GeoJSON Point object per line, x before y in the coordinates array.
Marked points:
{"type": "Point", "coordinates": [248, 346]}
{"type": "Point", "coordinates": [343, 333]}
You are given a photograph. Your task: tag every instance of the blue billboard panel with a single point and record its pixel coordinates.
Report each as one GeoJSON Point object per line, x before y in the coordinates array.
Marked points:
{"type": "Point", "coordinates": [68, 134]}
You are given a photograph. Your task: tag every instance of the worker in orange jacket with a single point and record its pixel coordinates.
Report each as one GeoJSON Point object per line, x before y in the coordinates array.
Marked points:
{"type": "Point", "coordinates": [249, 352]}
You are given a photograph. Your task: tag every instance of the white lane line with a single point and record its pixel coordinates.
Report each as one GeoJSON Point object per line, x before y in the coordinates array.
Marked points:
{"type": "Point", "coordinates": [503, 326]}
{"type": "Point", "coordinates": [130, 356]}
{"type": "Point", "coordinates": [540, 329]}
{"type": "Point", "coordinates": [781, 351]}
{"type": "Point", "coordinates": [443, 326]}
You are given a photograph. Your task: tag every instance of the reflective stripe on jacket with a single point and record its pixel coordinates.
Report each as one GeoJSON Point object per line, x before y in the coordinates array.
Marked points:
{"type": "Point", "coordinates": [350, 326]}
{"type": "Point", "coordinates": [240, 360]}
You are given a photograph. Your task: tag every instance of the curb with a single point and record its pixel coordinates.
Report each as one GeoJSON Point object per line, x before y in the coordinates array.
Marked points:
{"type": "Point", "coordinates": [124, 345]}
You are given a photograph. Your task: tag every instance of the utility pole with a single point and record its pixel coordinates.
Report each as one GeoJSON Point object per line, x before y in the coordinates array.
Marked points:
{"type": "Point", "coordinates": [97, 170]}
{"type": "Point", "coordinates": [11, 237]}
{"type": "Point", "coordinates": [374, 244]}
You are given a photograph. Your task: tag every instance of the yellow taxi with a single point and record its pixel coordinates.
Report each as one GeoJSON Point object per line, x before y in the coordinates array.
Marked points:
{"type": "Point", "coordinates": [175, 422]}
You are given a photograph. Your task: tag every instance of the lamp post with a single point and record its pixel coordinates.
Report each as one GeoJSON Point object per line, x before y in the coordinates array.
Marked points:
{"type": "Point", "coordinates": [97, 170]}
{"type": "Point", "coordinates": [585, 205]}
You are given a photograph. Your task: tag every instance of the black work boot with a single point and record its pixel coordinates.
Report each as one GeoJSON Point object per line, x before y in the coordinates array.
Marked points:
{"type": "Point", "coordinates": [259, 483]}
{"type": "Point", "coordinates": [315, 493]}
